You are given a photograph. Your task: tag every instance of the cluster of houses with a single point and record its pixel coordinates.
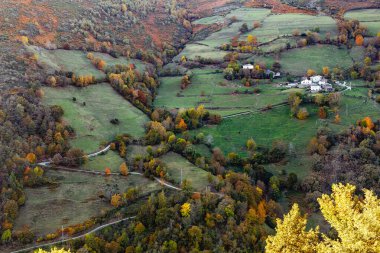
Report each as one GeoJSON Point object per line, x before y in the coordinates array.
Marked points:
{"type": "Point", "coordinates": [314, 83]}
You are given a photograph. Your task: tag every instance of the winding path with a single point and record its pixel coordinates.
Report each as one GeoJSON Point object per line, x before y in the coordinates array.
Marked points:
{"type": "Point", "coordinates": [74, 238]}
{"type": "Point", "coordinates": [48, 164]}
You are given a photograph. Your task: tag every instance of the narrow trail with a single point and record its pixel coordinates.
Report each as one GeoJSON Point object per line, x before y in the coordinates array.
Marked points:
{"type": "Point", "coordinates": [75, 237]}
{"type": "Point", "coordinates": [47, 163]}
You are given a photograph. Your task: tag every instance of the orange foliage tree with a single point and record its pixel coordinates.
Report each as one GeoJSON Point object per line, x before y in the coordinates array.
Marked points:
{"type": "Point", "coordinates": [359, 40]}
{"type": "Point", "coordinates": [124, 169]}
{"type": "Point", "coordinates": [107, 171]}
{"type": "Point", "coordinates": [182, 125]}
{"type": "Point", "coordinates": [31, 157]}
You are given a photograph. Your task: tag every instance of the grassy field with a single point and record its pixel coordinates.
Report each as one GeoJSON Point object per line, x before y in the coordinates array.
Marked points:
{"type": "Point", "coordinates": [110, 160]}
{"type": "Point", "coordinates": [298, 61]}
{"type": "Point", "coordinates": [265, 128]}
{"type": "Point", "coordinates": [249, 14]}
{"type": "Point", "coordinates": [192, 51]}
{"type": "Point", "coordinates": [74, 201]}
{"type": "Point", "coordinates": [209, 20]}
{"type": "Point", "coordinates": [368, 17]}
{"type": "Point", "coordinates": [195, 175]}
{"type": "Point", "coordinates": [208, 87]}
{"type": "Point", "coordinates": [68, 61]}
{"type": "Point", "coordinates": [102, 105]}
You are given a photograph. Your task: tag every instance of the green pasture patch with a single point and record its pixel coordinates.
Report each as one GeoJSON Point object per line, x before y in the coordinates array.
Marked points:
{"type": "Point", "coordinates": [92, 121]}
{"type": "Point", "coordinates": [249, 14]}
{"type": "Point", "coordinates": [275, 26]}
{"type": "Point", "coordinates": [110, 160]}
{"type": "Point", "coordinates": [68, 61]}
{"type": "Point", "coordinates": [298, 61]}
{"type": "Point", "coordinates": [193, 51]}
{"type": "Point", "coordinates": [75, 200]}
{"type": "Point", "coordinates": [278, 45]}
{"type": "Point", "coordinates": [209, 20]}
{"type": "Point", "coordinates": [175, 162]}
{"type": "Point", "coordinates": [112, 61]}
{"type": "Point", "coordinates": [203, 150]}
{"type": "Point", "coordinates": [367, 17]}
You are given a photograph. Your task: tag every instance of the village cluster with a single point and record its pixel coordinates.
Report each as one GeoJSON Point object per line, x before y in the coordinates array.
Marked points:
{"type": "Point", "coordinates": [317, 84]}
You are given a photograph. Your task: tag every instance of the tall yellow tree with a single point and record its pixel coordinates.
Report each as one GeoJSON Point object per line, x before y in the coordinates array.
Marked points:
{"type": "Point", "coordinates": [186, 209]}
{"type": "Point", "coordinates": [291, 236]}
{"type": "Point", "coordinates": [356, 221]}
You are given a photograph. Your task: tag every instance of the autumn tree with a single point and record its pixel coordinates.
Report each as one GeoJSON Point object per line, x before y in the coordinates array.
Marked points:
{"type": "Point", "coordinates": [53, 250]}
{"type": "Point", "coordinates": [186, 209]}
{"type": "Point", "coordinates": [107, 171]}
{"type": "Point", "coordinates": [251, 145]}
{"type": "Point", "coordinates": [251, 39]}
{"type": "Point", "coordinates": [356, 221]}
{"type": "Point", "coordinates": [24, 40]}
{"type": "Point", "coordinates": [182, 126]}
{"type": "Point", "coordinates": [291, 235]}
{"type": "Point", "coordinates": [326, 71]}
{"type": "Point", "coordinates": [116, 200]}
{"type": "Point", "coordinates": [359, 40]}
{"type": "Point", "coordinates": [310, 72]}
{"type": "Point", "coordinates": [302, 114]}
{"type": "Point", "coordinates": [123, 169]}
{"type": "Point", "coordinates": [322, 112]}
{"type": "Point", "coordinates": [139, 228]}
{"type": "Point", "coordinates": [31, 158]}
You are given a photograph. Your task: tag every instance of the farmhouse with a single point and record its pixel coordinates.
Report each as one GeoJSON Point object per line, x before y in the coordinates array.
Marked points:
{"type": "Point", "coordinates": [306, 82]}
{"type": "Point", "coordinates": [248, 66]}
{"type": "Point", "coordinates": [316, 79]}
{"type": "Point", "coordinates": [315, 88]}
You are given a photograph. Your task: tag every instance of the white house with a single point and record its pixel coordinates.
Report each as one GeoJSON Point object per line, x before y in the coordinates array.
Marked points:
{"type": "Point", "coordinates": [292, 85]}
{"type": "Point", "coordinates": [315, 88]}
{"type": "Point", "coordinates": [316, 79]}
{"type": "Point", "coordinates": [248, 66]}
{"type": "Point", "coordinates": [306, 82]}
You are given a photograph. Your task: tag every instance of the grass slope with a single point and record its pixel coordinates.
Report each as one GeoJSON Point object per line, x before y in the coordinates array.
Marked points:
{"type": "Point", "coordinates": [298, 61]}
{"type": "Point", "coordinates": [74, 201]}
{"type": "Point", "coordinates": [190, 172]}
{"type": "Point", "coordinates": [92, 122]}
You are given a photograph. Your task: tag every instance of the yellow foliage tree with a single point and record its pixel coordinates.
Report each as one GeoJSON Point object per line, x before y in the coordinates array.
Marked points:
{"type": "Point", "coordinates": [24, 40]}
{"type": "Point", "coordinates": [356, 221]}
{"type": "Point", "coordinates": [325, 71]}
{"type": "Point", "coordinates": [291, 235]}
{"type": "Point", "coordinates": [310, 72]}
{"type": "Point", "coordinates": [53, 250]}
{"type": "Point", "coordinates": [139, 228]}
{"type": "Point", "coordinates": [185, 209]}
{"type": "Point", "coordinates": [251, 39]}
{"type": "Point", "coordinates": [116, 200]}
